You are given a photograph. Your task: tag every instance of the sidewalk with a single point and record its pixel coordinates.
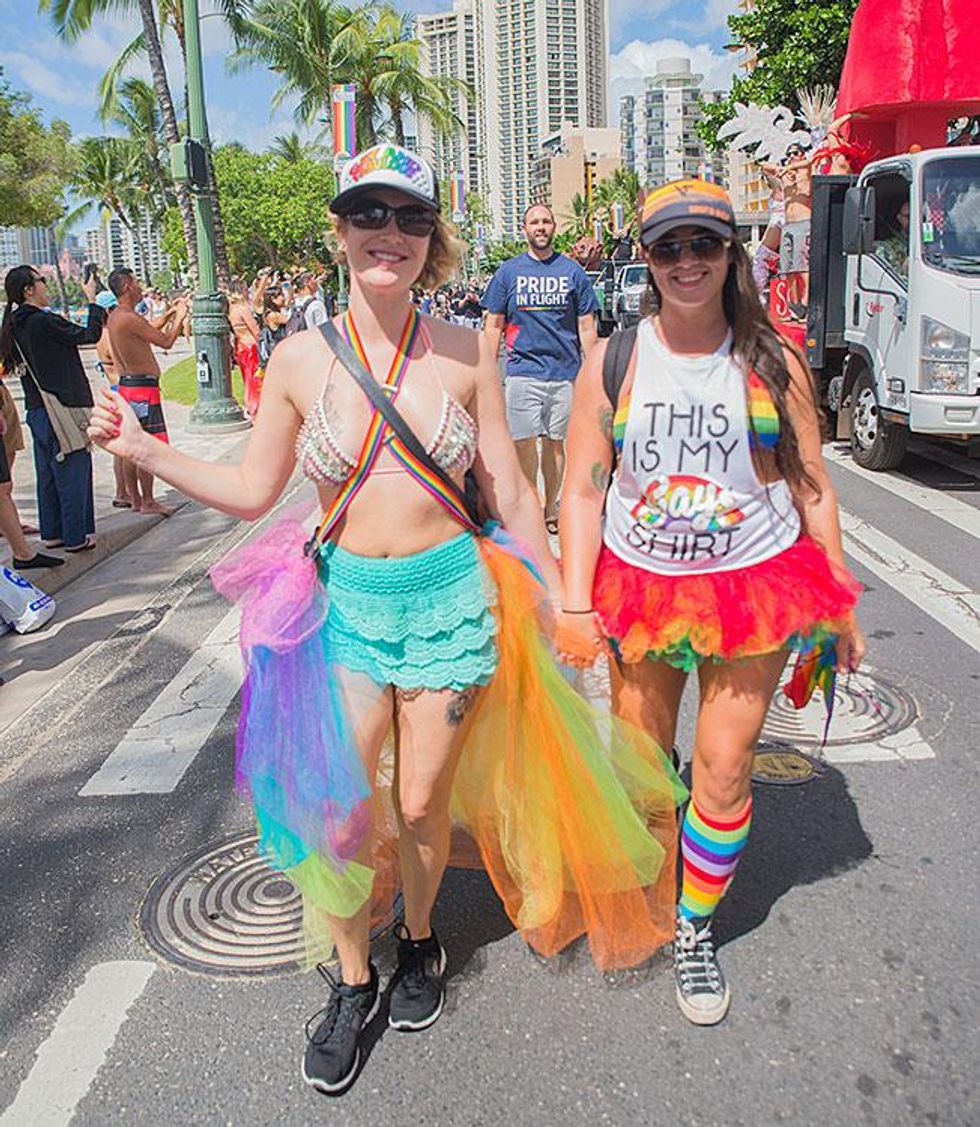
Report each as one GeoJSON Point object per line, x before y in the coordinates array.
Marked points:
{"type": "Point", "coordinates": [114, 528]}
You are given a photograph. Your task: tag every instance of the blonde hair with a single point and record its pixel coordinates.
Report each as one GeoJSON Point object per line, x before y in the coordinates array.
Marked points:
{"type": "Point", "coordinates": [441, 263]}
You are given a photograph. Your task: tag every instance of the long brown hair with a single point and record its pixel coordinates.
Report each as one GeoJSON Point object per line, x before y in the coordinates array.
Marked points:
{"type": "Point", "coordinates": [760, 349]}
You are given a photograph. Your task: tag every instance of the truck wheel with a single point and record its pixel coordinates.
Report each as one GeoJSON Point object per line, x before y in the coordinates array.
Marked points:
{"type": "Point", "coordinates": [875, 443]}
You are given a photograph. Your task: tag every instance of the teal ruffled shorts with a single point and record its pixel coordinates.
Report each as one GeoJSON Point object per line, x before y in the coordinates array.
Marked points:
{"type": "Point", "coordinates": [417, 622]}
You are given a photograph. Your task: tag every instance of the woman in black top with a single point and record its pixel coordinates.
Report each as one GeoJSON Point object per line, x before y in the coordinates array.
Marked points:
{"type": "Point", "coordinates": [49, 346]}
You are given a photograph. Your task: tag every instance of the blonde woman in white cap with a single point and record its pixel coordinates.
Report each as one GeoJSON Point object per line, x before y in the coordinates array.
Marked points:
{"type": "Point", "coordinates": [400, 612]}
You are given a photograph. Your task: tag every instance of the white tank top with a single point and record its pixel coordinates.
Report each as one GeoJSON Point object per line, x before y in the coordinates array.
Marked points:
{"type": "Point", "coordinates": [685, 497]}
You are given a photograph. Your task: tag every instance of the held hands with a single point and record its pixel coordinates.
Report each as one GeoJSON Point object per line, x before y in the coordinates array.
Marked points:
{"type": "Point", "coordinates": [579, 639]}
{"type": "Point", "coordinates": [115, 428]}
{"type": "Point", "coordinates": [851, 646]}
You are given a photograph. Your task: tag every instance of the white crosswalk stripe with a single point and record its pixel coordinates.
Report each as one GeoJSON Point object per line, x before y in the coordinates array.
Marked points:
{"type": "Point", "coordinates": [156, 752]}
{"type": "Point", "coordinates": [949, 509]}
{"type": "Point", "coordinates": [71, 1056]}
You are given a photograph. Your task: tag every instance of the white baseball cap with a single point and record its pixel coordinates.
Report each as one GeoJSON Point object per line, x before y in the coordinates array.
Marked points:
{"type": "Point", "coordinates": [386, 166]}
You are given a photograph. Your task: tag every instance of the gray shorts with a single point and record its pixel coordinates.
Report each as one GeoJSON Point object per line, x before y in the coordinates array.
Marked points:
{"type": "Point", "coordinates": [537, 407]}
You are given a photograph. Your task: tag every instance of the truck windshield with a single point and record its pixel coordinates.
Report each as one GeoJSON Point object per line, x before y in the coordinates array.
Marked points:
{"type": "Point", "coordinates": [634, 275]}
{"type": "Point", "coordinates": [951, 215]}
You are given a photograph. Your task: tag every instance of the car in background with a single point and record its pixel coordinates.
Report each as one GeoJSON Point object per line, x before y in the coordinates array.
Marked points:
{"type": "Point", "coordinates": [631, 285]}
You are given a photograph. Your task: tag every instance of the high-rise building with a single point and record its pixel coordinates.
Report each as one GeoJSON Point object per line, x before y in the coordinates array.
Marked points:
{"type": "Point", "coordinates": [449, 43]}
{"type": "Point", "coordinates": [112, 245]}
{"type": "Point", "coordinates": [539, 63]}
{"type": "Point", "coordinates": [568, 162]}
{"type": "Point", "coordinates": [657, 129]}
{"type": "Point", "coordinates": [31, 246]}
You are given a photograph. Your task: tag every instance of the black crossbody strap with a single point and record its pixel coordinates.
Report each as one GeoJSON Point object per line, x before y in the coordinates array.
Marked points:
{"type": "Point", "coordinates": [349, 359]}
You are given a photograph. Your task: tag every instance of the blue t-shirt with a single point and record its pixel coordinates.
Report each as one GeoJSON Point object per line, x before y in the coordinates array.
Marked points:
{"type": "Point", "coordinates": [542, 302]}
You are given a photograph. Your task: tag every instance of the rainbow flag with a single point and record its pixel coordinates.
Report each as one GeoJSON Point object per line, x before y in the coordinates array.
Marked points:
{"type": "Point", "coordinates": [457, 196]}
{"type": "Point", "coordinates": [344, 101]}
{"type": "Point", "coordinates": [597, 230]}
{"type": "Point", "coordinates": [617, 217]}
{"type": "Point", "coordinates": [706, 172]}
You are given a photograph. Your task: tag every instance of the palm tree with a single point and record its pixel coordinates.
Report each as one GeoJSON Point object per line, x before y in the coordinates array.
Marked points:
{"type": "Point", "coordinates": [314, 44]}
{"type": "Point", "coordinates": [289, 148]}
{"type": "Point", "coordinates": [71, 18]}
{"type": "Point", "coordinates": [109, 173]}
{"type": "Point", "coordinates": [133, 105]}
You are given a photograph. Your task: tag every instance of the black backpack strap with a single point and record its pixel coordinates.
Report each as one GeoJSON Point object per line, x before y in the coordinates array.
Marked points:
{"type": "Point", "coordinates": [615, 362]}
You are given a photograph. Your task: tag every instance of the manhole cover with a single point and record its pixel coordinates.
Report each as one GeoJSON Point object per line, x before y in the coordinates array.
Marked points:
{"type": "Point", "coordinates": [224, 911]}
{"type": "Point", "coordinates": [784, 766]}
{"type": "Point", "coordinates": [866, 709]}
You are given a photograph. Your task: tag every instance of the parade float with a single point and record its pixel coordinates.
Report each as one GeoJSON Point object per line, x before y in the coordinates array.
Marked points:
{"type": "Point", "coordinates": [880, 282]}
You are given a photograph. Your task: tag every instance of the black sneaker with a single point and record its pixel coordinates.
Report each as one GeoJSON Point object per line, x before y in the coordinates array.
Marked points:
{"type": "Point", "coordinates": [333, 1050]}
{"type": "Point", "coordinates": [418, 990]}
{"type": "Point", "coordinates": [702, 992]}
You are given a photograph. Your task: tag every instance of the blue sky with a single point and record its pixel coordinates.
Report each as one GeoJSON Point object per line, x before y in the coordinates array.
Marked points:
{"type": "Point", "coordinates": [62, 79]}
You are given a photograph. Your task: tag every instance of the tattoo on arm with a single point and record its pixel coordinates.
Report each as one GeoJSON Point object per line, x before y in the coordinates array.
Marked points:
{"type": "Point", "coordinates": [600, 477]}
{"type": "Point", "coordinates": [606, 422]}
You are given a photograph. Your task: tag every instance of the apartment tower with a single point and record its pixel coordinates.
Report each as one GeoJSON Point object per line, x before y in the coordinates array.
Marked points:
{"type": "Point", "coordinates": [449, 42]}
{"type": "Point", "coordinates": [541, 63]}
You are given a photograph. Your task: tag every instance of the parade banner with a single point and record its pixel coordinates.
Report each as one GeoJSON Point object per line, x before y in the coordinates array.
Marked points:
{"type": "Point", "coordinates": [457, 196]}
{"type": "Point", "coordinates": [344, 100]}
{"type": "Point", "coordinates": [618, 223]}
{"type": "Point", "coordinates": [481, 241]}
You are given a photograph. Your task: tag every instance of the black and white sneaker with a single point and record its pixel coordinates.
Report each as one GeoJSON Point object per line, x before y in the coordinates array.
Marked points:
{"type": "Point", "coordinates": [702, 992]}
{"type": "Point", "coordinates": [333, 1051]}
{"type": "Point", "coordinates": [418, 986]}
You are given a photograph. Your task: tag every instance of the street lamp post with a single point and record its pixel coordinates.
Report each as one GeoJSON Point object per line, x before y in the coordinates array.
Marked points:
{"type": "Point", "coordinates": [216, 407]}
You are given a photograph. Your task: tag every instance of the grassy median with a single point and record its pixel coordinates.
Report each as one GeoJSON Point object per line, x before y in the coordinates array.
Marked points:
{"type": "Point", "coordinates": [179, 383]}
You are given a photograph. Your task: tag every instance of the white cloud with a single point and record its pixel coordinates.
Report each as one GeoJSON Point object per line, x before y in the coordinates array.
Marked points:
{"type": "Point", "coordinates": [41, 80]}
{"type": "Point", "coordinates": [637, 61]}
{"type": "Point", "coordinates": [713, 18]}
{"type": "Point", "coordinates": [229, 124]}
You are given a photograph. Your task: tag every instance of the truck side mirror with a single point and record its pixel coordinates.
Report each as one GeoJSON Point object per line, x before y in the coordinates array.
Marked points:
{"type": "Point", "coordinates": [859, 220]}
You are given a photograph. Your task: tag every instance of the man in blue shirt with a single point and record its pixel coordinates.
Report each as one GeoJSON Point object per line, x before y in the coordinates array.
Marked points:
{"type": "Point", "coordinates": [544, 304]}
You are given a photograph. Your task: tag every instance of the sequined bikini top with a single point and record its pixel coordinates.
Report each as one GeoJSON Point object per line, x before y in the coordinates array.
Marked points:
{"type": "Point", "coordinates": [321, 457]}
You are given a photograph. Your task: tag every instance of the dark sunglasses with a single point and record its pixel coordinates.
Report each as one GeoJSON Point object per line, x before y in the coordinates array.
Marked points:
{"type": "Point", "coordinates": [706, 248]}
{"type": "Point", "coordinates": [373, 215]}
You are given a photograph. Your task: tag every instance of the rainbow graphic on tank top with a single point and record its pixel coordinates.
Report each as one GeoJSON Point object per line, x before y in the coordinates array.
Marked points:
{"type": "Point", "coordinates": [763, 416]}
{"type": "Point", "coordinates": [706, 505]}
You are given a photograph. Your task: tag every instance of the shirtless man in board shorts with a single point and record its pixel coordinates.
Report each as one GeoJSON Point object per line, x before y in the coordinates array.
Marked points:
{"type": "Point", "coordinates": [138, 372]}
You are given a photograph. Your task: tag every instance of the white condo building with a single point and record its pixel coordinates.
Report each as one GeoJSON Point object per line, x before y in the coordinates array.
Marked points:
{"type": "Point", "coordinates": [657, 128]}
{"type": "Point", "coordinates": [112, 245]}
{"type": "Point", "coordinates": [541, 63]}
{"type": "Point", "coordinates": [31, 246]}
{"type": "Point", "coordinates": [449, 40]}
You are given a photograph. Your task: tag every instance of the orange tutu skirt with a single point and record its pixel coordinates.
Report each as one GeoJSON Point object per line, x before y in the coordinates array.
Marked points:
{"type": "Point", "coordinates": [791, 601]}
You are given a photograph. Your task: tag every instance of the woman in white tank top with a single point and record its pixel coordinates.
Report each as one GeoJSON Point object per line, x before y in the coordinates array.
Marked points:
{"type": "Point", "coordinates": [699, 531]}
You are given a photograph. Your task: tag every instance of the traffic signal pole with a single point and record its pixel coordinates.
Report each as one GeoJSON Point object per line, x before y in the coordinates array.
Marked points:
{"type": "Point", "coordinates": [216, 408]}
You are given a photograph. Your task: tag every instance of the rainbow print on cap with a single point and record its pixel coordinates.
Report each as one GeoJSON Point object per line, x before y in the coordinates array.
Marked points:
{"type": "Point", "coordinates": [386, 166]}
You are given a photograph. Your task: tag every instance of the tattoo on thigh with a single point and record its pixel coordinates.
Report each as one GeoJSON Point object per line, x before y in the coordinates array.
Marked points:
{"type": "Point", "coordinates": [459, 704]}
{"type": "Point", "coordinates": [600, 477]}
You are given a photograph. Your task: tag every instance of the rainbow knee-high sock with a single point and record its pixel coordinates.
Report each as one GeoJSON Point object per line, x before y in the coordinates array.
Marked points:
{"type": "Point", "coordinates": [710, 851]}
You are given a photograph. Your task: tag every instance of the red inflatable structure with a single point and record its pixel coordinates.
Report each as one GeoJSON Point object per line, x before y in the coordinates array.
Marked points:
{"type": "Point", "coordinates": [911, 66]}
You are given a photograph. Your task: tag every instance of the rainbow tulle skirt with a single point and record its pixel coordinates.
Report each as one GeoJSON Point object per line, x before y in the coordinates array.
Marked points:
{"type": "Point", "coordinates": [792, 601]}
{"type": "Point", "coordinates": [570, 811]}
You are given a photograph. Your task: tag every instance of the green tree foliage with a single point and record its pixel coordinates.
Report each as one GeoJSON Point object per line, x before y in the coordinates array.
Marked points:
{"type": "Point", "coordinates": [498, 251]}
{"type": "Point", "coordinates": [276, 210]}
{"type": "Point", "coordinates": [35, 163]}
{"type": "Point", "coordinates": [796, 45]}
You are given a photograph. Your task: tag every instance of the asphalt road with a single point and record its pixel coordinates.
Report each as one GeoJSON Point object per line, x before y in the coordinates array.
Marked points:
{"type": "Point", "coordinates": [848, 935]}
